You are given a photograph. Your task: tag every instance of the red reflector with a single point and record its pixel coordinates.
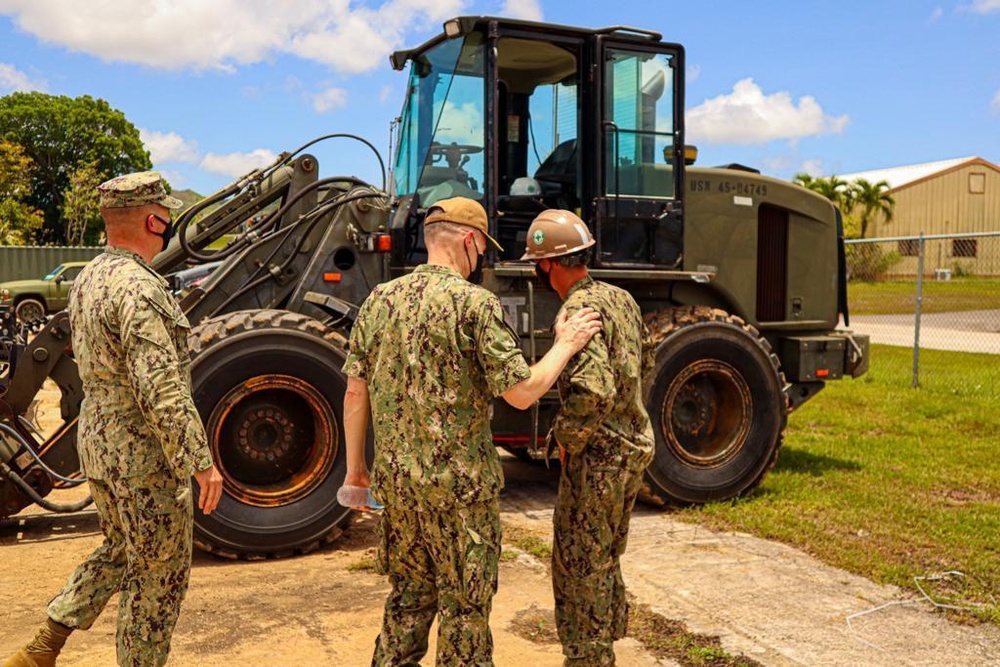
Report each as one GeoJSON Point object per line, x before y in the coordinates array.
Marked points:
{"type": "Point", "coordinates": [822, 372]}
{"type": "Point", "coordinates": [383, 243]}
{"type": "Point", "coordinates": [332, 277]}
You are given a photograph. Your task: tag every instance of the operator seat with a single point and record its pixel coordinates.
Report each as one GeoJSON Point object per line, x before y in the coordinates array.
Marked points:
{"type": "Point", "coordinates": [557, 176]}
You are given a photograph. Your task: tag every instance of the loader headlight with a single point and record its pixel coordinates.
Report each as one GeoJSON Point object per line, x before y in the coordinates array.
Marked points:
{"type": "Point", "coordinates": [4, 294]}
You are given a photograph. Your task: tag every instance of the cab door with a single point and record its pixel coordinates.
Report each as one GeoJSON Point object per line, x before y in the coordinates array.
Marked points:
{"type": "Point", "coordinates": [639, 204]}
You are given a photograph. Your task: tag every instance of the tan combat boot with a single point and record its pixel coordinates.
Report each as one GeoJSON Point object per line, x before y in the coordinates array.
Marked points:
{"type": "Point", "coordinates": [43, 649]}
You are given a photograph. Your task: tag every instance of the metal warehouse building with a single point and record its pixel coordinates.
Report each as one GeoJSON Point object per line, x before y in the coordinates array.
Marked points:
{"type": "Point", "coordinates": [958, 196]}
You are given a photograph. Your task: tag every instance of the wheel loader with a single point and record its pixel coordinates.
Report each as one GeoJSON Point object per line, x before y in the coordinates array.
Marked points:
{"type": "Point", "coordinates": [741, 278]}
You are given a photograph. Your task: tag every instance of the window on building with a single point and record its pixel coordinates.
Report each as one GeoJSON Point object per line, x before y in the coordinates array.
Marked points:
{"type": "Point", "coordinates": [977, 183]}
{"type": "Point", "coordinates": [909, 248]}
{"type": "Point", "coordinates": [963, 248]}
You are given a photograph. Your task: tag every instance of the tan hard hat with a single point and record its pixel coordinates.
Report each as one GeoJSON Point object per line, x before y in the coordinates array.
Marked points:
{"type": "Point", "coordinates": [555, 233]}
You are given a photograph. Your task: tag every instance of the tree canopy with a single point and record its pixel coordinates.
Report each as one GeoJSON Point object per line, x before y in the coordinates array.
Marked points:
{"type": "Point", "coordinates": [62, 135]}
{"type": "Point", "coordinates": [860, 201]}
{"type": "Point", "coordinates": [19, 222]}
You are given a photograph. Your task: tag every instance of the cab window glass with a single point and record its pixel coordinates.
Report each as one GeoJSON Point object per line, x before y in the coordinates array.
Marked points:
{"type": "Point", "coordinates": [639, 103]}
{"type": "Point", "coordinates": [441, 134]}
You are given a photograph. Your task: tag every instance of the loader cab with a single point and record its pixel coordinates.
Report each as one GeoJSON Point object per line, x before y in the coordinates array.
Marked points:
{"type": "Point", "coordinates": [524, 116]}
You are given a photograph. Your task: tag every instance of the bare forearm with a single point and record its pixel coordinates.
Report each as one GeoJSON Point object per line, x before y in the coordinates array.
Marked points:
{"type": "Point", "coordinates": [357, 406]}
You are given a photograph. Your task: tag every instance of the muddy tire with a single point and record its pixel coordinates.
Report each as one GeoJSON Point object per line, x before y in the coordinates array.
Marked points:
{"type": "Point", "coordinates": [717, 405]}
{"type": "Point", "coordinates": [269, 389]}
{"type": "Point", "coordinates": [29, 310]}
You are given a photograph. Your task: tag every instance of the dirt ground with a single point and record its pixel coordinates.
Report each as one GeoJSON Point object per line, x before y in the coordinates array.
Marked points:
{"type": "Point", "coordinates": [764, 600]}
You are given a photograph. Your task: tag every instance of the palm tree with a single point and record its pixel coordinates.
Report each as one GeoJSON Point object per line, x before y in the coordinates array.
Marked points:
{"type": "Point", "coordinates": [872, 200]}
{"type": "Point", "coordinates": [833, 188]}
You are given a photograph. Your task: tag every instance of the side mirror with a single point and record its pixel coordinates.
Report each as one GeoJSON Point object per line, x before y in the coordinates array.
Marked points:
{"type": "Point", "coordinates": [59, 279]}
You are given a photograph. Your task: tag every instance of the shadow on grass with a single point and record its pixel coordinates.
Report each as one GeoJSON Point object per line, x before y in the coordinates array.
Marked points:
{"type": "Point", "coordinates": [806, 463]}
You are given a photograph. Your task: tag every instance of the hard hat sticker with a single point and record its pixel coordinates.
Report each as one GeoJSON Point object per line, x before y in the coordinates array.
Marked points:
{"type": "Point", "coordinates": [538, 237]}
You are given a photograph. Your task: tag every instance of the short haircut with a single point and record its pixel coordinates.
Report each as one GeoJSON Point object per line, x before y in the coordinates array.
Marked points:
{"type": "Point", "coordinates": [581, 258]}
{"type": "Point", "coordinates": [440, 230]}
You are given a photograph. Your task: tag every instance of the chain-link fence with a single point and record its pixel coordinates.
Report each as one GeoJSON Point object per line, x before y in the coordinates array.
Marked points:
{"type": "Point", "coordinates": [938, 295]}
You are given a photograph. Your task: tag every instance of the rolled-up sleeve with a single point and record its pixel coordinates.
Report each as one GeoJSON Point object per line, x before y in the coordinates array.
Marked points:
{"type": "Point", "coordinates": [498, 350]}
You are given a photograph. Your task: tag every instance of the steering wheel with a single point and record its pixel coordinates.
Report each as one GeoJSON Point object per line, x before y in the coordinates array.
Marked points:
{"type": "Point", "coordinates": [454, 154]}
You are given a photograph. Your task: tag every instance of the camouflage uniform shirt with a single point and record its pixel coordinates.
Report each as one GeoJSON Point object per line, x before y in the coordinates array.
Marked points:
{"type": "Point", "coordinates": [434, 350]}
{"type": "Point", "coordinates": [130, 341]}
{"type": "Point", "coordinates": [600, 388]}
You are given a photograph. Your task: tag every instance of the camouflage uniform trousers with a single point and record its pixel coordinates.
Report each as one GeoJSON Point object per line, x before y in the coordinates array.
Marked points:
{"type": "Point", "coordinates": [590, 531]}
{"type": "Point", "coordinates": [438, 562]}
{"type": "Point", "coordinates": [146, 555]}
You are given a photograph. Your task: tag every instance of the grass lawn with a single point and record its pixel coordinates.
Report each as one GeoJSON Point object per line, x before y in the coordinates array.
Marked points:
{"type": "Point", "coordinates": [898, 297]}
{"type": "Point", "coordinates": [889, 482]}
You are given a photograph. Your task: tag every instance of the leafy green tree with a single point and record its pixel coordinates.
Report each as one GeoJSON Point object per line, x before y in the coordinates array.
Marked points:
{"type": "Point", "coordinates": [19, 222]}
{"type": "Point", "coordinates": [870, 200]}
{"type": "Point", "coordinates": [60, 134]}
{"type": "Point", "coordinates": [81, 206]}
{"type": "Point", "coordinates": [834, 188]}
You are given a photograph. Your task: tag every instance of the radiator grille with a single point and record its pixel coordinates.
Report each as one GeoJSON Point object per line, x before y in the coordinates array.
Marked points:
{"type": "Point", "coordinates": [772, 263]}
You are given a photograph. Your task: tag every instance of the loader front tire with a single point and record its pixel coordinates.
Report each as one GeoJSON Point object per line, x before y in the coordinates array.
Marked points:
{"type": "Point", "coordinates": [269, 388]}
{"type": "Point", "coordinates": [717, 404]}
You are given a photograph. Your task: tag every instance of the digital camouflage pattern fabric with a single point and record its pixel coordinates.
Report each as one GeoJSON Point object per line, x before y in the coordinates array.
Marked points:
{"type": "Point", "coordinates": [140, 439]}
{"type": "Point", "coordinates": [137, 189]}
{"type": "Point", "coordinates": [130, 343]}
{"type": "Point", "coordinates": [153, 515]}
{"type": "Point", "coordinates": [434, 350]}
{"type": "Point", "coordinates": [606, 431]}
{"type": "Point", "coordinates": [444, 562]}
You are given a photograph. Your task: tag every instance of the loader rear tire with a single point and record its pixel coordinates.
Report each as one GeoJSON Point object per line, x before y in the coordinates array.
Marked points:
{"type": "Point", "coordinates": [717, 405]}
{"type": "Point", "coordinates": [269, 388]}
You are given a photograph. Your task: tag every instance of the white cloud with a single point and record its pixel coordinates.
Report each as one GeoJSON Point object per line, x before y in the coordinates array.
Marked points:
{"type": "Point", "coordinates": [812, 167]}
{"type": "Point", "coordinates": [461, 124]}
{"type": "Point", "coordinates": [995, 104]}
{"type": "Point", "coordinates": [13, 80]}
{"type": "Point", "coordinates": [748, 116]}
{"type": "Point", "coordinates": [984, 6]}
{"type": "Point", "coordinates": [331, 98]}
{"type": "Point", "coordinates": [528, 10]}
{"type": "Point", "coordinates": [168, 147]}
{"type": "Point", "coordinates": [237, 164]}
{"type": "Point", "coordinates": [225, 34]}
{"type": "Point", "coordinates": [693, 72]}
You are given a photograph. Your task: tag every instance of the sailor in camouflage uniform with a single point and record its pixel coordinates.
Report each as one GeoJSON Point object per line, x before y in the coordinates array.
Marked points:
{"type": "Point", "coordinates": [427, 354]}
{"type": "Point", "coordinates": [140, 437]}
{"type": "Point", "coordinates": [605, 440]}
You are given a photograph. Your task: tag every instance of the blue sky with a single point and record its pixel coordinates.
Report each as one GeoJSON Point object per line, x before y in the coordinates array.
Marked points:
{"type": "Point", "coordinates": [218, 87]}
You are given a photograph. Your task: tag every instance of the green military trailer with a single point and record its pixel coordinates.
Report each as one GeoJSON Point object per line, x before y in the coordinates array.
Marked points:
{"type": "Point", "coordinates": [741, 277]}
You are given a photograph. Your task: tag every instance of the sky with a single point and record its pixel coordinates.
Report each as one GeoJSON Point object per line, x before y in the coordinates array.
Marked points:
{"type": "Point", "coordinates": [219, 87]}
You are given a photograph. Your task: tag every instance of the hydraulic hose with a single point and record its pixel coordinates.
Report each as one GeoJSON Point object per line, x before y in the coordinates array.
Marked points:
{"type": "Point", "coordinates": [37, 499]}
{"type": "Point", "coordinates": [24, 443]}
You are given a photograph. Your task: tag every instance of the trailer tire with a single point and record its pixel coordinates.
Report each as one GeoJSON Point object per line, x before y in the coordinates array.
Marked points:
{"type": "Point", "coordinates": [269, 388]}
{"type": "Point", "coordinates": [717, 404]}
{"type": "Point", "coordinates": [29, 309]}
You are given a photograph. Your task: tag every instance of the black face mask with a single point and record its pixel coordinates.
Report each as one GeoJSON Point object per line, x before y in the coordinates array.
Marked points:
{"type": "Point", "coordinates": [476, 276]}
{"type": "Point", "coordinates": [166, 234]}
{"type": "Point", "coordinates": [544, 278]}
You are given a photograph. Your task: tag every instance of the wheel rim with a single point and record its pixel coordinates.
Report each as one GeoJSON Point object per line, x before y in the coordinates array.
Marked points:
{"type": "Point", "coordinates": [273, 439]}
{"type": "Point", "coordinates": [30, 310]}
{"type": "Point", "coordinates": [706, 413]}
